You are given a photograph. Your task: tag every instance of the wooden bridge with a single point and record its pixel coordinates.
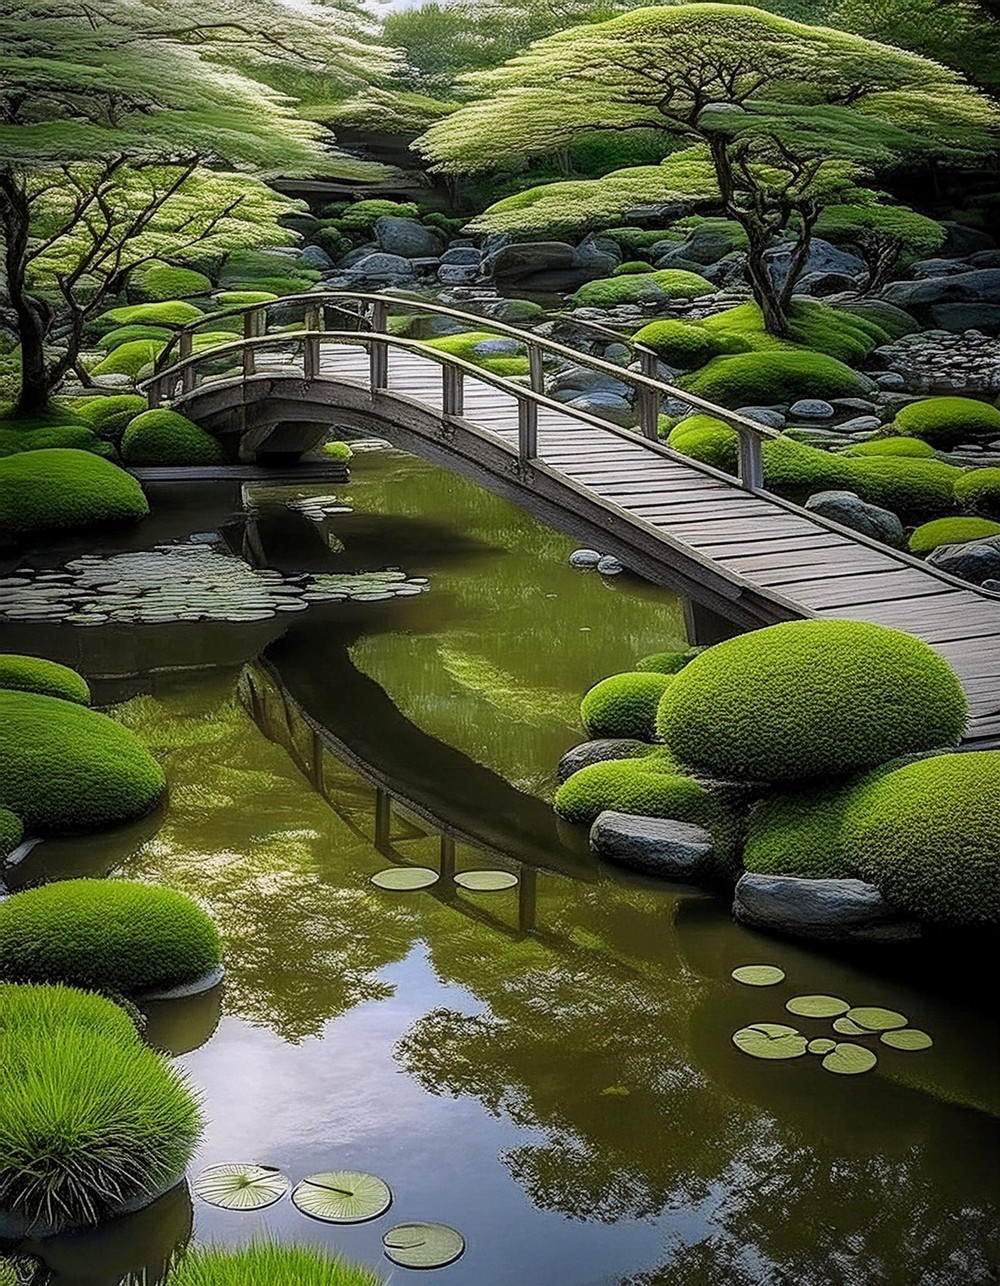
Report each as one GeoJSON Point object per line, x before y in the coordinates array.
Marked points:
{"type": "Point", "coordinates": [744, 555]}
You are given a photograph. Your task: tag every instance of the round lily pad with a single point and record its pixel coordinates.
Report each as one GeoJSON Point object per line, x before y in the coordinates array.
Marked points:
{"type": "Point", "coordinates": [848, 1027]}
{"type": "Point", "coordinates": [241, 1187]}
{"type": "Point", "coordinates": [423, 1245]}
{"type": "Point", "coordinates": [758, 975]}
{"type": "Point", "coordinates": [403, 878]}
{"type": "Point", "coordinates": [817, 1006]}
{"type": "Point", "coordinates": [770, 1040]}
{"type": "Point", "coordinates": [486, 881]}
{"type": "Point", "coordinates": [822, 1045]}
{"type": "Point", "coordinates": [342, 1196]}
{"type": "Point", "coordinates": [906, 1038]}
{"type": "Point", "coordinates": [874, 1019]}
{"type": "Point", "coordinates": [849, 1060]}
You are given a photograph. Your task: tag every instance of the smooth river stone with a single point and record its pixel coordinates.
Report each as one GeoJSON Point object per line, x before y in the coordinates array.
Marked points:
{"type": "Point", "coordinates": [832, 910]}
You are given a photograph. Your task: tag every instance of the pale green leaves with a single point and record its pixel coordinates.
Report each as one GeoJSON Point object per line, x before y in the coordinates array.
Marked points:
{"type": "Point", "coordinates": [817, 1006]}
{"type": "Point", "coordinates": [770, 1040]}
{"type": "Point", "coordinates": [849, 1060]}
{"type": "Point", "coordinates": [423, 1245]}
{"type": "Point", "coordinates": [241, 1187]}
{"type": "Point", "coordinates": [758, 975]}
{"type": "Point", "coordinates": [872, 1018]}
{"type": "Point", "coordinates": [485, 881]}
{"type": "Point", "coordinates": [908, 1038]}
{"type": "Point", "coordinates": [342, 1196]}
{"type": "Point", "coordinates": [404, 879]}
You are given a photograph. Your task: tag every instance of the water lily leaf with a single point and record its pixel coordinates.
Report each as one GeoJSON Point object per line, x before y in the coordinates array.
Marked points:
{"type": "Point", "coordinates": [817, 1006]}
{"type": "Point", "coordinates": [874, 1019]}
{"type": "Point", "coordinates": [342, 1196]}
{"type": "Point", "coordinates": [758, 975]}
{"type": "Point", "coordinates": [849, 1060]}
{"type": "Point", "coordinates": [486, 881]}
{"type": "Point", "coordinates": [423, 1245]}
{"type": "Point", "coordinates": [770, 1040]}
{"type": "Point", "coordinates": [906, 1038]}
{"type": "Point", "coordinates": [241, 1187]}
{"type": "Point", "coordinates": [848, 1027]}
{"type": "Point", "coordinates": [822, 1045]}
{"type": "Point", "coordinates": [403, 878]}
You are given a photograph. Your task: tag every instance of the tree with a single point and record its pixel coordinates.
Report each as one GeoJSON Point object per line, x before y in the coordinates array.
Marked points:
{"type": "Point", "coordinates": [112, 113]}
{"type": "Point", "coordinates": [790, 115]}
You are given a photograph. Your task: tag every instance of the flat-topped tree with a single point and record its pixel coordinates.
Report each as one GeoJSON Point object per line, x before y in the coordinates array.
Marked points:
{"type": "Point", "coordinates": [791, 116]}
{"type": "Point", "coordinates": [114, 117]}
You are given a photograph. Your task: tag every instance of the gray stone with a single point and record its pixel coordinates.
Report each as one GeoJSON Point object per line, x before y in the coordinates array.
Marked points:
{"type": "Point", "coordinates": [316, 257]}
{"type": "Point", "coordinates": [355, 256]}
{"type": "Point", "coordinates": [980, 285]}
{"type": "Point", "coordinates": [408, 238]}
{"type": "Point", "coordinates": [599, 257]}
{"type": "Point", "coordinates": [961, 240]}
{"type": "Point", "coordinates": [811, 408]}
{"type": "Point", "coordinates": [977, 561]}
{"type": "Point", "coordinates": [584, 380]}
{"type": "Point", "coordinates": [381, 267]}
{"type": "Point", "coordinates": [859, 404]}
{"type": "Point", "coordinates": [959, 317]}
{"type": "Point", "coordinates": [512, 311]}
{"type": "Point", "coordinates": [461, 255]}
{"type": "Point", "coordinates": [890, 381]}
{"type": "Point", "coordinates": [653, 845]}
{"type": "Point", "coordinates": [598, 752]}
{"type": "Point", "coordinates": [828, 910]}
{"type": "Point", "coordinates": [498, 347]}
{"type": "Point", "coordinates": [763, 415]}
{"type": "Point", "coordinates": [584, 558]}
{"type": "Point", "coordinates": [702, 246]}
{"type": "Point", "coordinates": [937, 268]}
{"type": "Point", "coordinates": [457, 274]}
{"type": "Point", "coordinates": [985, 259]}
{"type": "Point", "coordinates": [823, 257]}
{"type": "Point", "coordinates": [860, 424]}
{"type": "Point", "coordinates": [609, 566]}
{"type": "Point", "coordinates": [822, 284]}
{"type": "Point", "coordinates": [851, 511]}
{"type": "Point", "coordinates": [619, 354]}
{"type": "Point", "coordinates": [605, 405]}
{"type": "Point", "coordinates": [513, 263]}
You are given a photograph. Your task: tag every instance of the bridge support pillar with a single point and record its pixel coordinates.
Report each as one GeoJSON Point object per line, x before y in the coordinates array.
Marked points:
{"type": "Point", "coordinates": [704, 627]}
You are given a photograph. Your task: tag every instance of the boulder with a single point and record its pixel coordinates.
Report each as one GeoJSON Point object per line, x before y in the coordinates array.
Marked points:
{"type": "Point", "coordinates": [823, 257]}
{"type": "Point", "coordinates": [610, 566]}
{"type": "Point", "coordinates": [890, 381]}
{"type": "Point", "coordinates": [811, 408]}
{"type": "Point", "coordinates": [607, 406]}
{"type": "Point", "coordinates": [959, 317]}
{"type": "Point", "coordinates": [652, 845]}
{"type": "Point", "coordinates": [821, 284]}
{"type": "Point", "coordinates": [860, 405]}
{"type": "Point", "coordinates": [512, 311]}
{"type": "Point", "coordinates": [977, 286]}
{"type": "Point", "coordinates": [860, 424]}
{"type": "Point", "coordinates": [851, 511]}
{"type": "Point", "coordinates": [584, 558]}
{"type": "Point", "coordinates": [581, 379]}
{"type": "Point", "coordinates": [619, 354]}
{"type": "Point", "coordinates": [985, 259]}
{"type": "Point", "coordinates": [408, 238]}
{"type": "Point", "coordinates": [937, 268]}
{"type": "Point", "coordinates": [498, 347]}
{"type": "Point", "coordinates": [457, 274]}
{"type": "Point", "coordinates": [598, 751]}
{"type": "Point", "coordinates": [464, 255]}
{"type": "Point", "coordinates": [513, 263]}
{"type": "Point", "coordinates": [961, 241]}
{"type": "Point", "coordinates": [316, 257]}
{"type": "Point", "coordinates": [703, 246]}
{"type": "Point", "coordinates": [381, 267]}
{"type": "Point", "coordinates": [828, 910]}
{"type": "Point", "coordinates": [763, 415]}
{"type": "Point", "coordinates": [977, 561]}
{"type": "Point", "coordinates": [599, 258]}
{"type": "Point", "coordinates": [356, 255]}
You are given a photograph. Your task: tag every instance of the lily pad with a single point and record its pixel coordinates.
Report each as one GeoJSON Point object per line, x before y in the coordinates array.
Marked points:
{"type": "Point", "coordinates": [874, 1019]}
{"type": "Point", "coordinates": [241, 1187]}
{"type": "Point", "coordinates": [758, 975]}
{"type": "Point", "coordinates": [770, 1040]}
{"type": "Point", "coordinates": [906, 1038]}
{"type": "Point", "coordinates": [822, 1045]}
{"type": "Point", "coordinates": [423, 1245]}
{"type": "Point", "coordinates": [405, 878]}
{"type": "Point", "coordinates": [817, 1006]}
{"type": "Point", "coordinates": [486, 881]}
{"type": "Point", "coordinates": [342, 1196]}
{"type": "Point", "coordinates": [849, 1060]}
{"type": "Point", "coordinates": [848, 1027]}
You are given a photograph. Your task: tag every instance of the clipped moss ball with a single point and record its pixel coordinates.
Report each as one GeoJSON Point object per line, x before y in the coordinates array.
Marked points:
{"type": "Point", "coordinates": [978, 491]}
{"type": "Point", "coordinates": [66, 768]}
{"type": "Point", "coordinates": [647, 787]}
{"type": "Point", "coordinates": [164, 437]}
{"type": "Point", "coordinates": [808, 699]}
{"type": "Point", "coordinates": [912, 447]}
{"type": "Point", "coordinates": [158, 281]}
{"type": "Point", "coordinates": [340, 451]}
{"type": "Point", "coordinates": [75, 437]}
{"type": "Point", "coordinates": [129, 358]}
{"type": "Point", "coordinates": [632, 268]}
{"type": "Point", "coordinates": [625, 705]}
{"type": "Point", "coordinates": [109, 416]}
{"type": "Point", "coordinates": [34, 674]}
{"type": "Point", "coordinates": [704, 438]}
{"type": "Point", "coordinates": [106, 935]}
{"type": "Point", "coordinates": [784, 375]}
{"type": "Point", "coordinates": [946, 422]}
{"type": "Point", "coordinates": [650, 287]}
{"type": "Point", "coordinates": [128, 334]}
{"type": "Point", "coordinates": [667, 662]}
{"type": "Point", "coordinates": [171, 313]}
{"type": "Point", "coordinates": [11, 831]}
{"type": "Point", "coordinates": [951, 531]}
{"type": "Point", "coordinates": [52, 489]}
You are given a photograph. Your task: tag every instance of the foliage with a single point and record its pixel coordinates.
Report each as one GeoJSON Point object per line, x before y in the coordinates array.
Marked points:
{"type": "Point", "coordinates": [773, 376]}
{"type": "Point", "coordinates": [106, 935]}
{"type": "Point", "coordinates": [267, 1264]}
{"type": "Point", "coordinates": [653, 287]}
{"type": "Point", "coordinates": [912, 447]}
{"type": "Point", "coordinates": [809, 699]}
{"type": "Point", "coordinates": [798, 833]}
{"type": "Point", "coordinates": [338, 451]}
{"type": "Point", "coordinates": [51, 489]}
{"type": "Point", "coordinates": [129, 358]}
{"type": "Point", "coordinates": [950, 531]}
{"type": "Point", "coordinates": [50, 1008]}
{"type": "Point", "coordinates": [390, 111]}
{"type": "Point", "coordinates": [707, 439]}
{"type": "Point", "coordinates": [11, 831]}
{"type": "Point", "coordinates": [979, 492]}
{"type": "Point", "coordinates": [685, 345]}
{"type": "Point", "coordinates": [271, 273]}
{"type": "Point", "coordinates": [889, 236]}
{"type": "Point", "coordinates": [947, 422]}
{"type": "Point", "coordinates": [78, 437]}
{"type": "Point", "coordinates": [624, 705]}
{"type": "Point", "coordinates": [67, 768]}
{"type": "Point", "coordinates": [109, 416]}
{"type": "Point", "coordinates": [465, 344]}
{"type": "Point", "coordinates": [34, 674]}
{"type": "Point", "coordinates": [164, 437]}
{"type": "Point", "coordinates": [667, 662]}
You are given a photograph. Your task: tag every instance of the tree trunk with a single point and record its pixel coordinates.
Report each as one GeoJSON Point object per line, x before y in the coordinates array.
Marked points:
{"type": "Point", "coordinates": [32, 317]}
{"type": "Point", "coordinates": [765, 292]}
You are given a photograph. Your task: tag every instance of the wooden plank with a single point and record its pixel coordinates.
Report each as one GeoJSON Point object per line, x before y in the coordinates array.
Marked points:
{"type": "Point", "coordinates": [766, 545]}
{"type": "Point", "coordinates": [845, 555]}
{"type": "Point", "coordinates": [788, 576]}
{"type": "Point", "coordinates": [878, 587]}
{"type": "Point", "coordinates": [702, 535]}
{"type": "Point", "coordinates": [688, 508]}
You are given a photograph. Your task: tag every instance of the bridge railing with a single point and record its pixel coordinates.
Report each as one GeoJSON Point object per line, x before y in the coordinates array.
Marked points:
{"type": "Point", "coordinates": [370, 313]}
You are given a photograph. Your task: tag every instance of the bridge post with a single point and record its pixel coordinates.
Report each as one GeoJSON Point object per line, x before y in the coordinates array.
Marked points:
{"type": "Point", "coordinates": [527, 428]}
{"type": "Point", "coordinates": [649, 401]}
{"type": "Point", "coordinates": [751, 461]}
{"type": "Point", "coordinates": [537, 371]}
{"type": "Point", "coordinates": [185, 349]}
{"type": "Point", "coordinates": [378, 350]}
{"type": "Point", "coordinates": [254, 324]}
{"type": "Point", "coordinates": [452, 390]}
{"type": "Point", "coordinates": [313, 321]}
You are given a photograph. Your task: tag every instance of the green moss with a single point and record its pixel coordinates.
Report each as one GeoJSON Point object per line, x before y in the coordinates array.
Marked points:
{"type": "Point", "coordinates": [169, 313]}
{"type": "Point", "coordinates": [76, 437]}
{"type": "Point", "coordinates": [798, 833]}
{"type": "Point", "coordinates": [647, 787]}
{"type": "Point", "coordinates": [361, 216]}
{"type": "Point", "coordinates": [34, 674]}
{"type": "Point", "coordinates": [686, 345]}
{"type": "Point", "coordinates": [633, 239]}
{"type": "Point", "coordinates": [464, 346]}
{"type": "Point", "coordinates": [653, 287]}
{"type": "Point", "coordinates": [129, 358]}
{"type": "Point", "coordinates": [632, 268]}
{"type": "Point", "coordinates": [159, 281]}
{"type": "Point", "coordinates": [338, 451]}
{"type": "Point", "coordinates": [11, 831]}
{"type": "Point", "coordinates": [164, 437]}
{"type": "Point", "coordinates": [52, 489]}
{"type": "Point", "coordinates": [625, 705]}
{"type": "Point", "coordinates": [129, 334]}
{"type": "Point", "coordinates": [260, 270]}
{"type": "Point", "coordinates": [911, 447]}
{"type": "Point", "coordinates": [109, 416]}
{"type": "Point", "coordinates": [946, 422]}
{"type": "Point", "coordinates": [951, 531]}
{"type": "Point", "coordinates": [67, 768]}
{"type": "Point", "coordinates": [773, 376]}
{"type": "Point", "coordinates": [813, 326]}
{"type": "Point", "coordinates": [809, 699]}
{"type": "Point", "coordinates": [243, 298]}
{"type": "Point", "coordinates": [106, 935]}
{"type": "Point", "coordinates": [667, 662]}
{"type": "Point", "coordinates": [704, 438]}
{"type": "Point", "coordinates": [265, 1264]}
{"type": "Point", "coordinates": [979, 492]}
{"type": "Point", "coordinates": [50, 1008]}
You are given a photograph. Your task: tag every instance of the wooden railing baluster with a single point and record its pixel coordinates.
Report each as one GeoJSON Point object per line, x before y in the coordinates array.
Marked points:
{"type": "Point", "coordinates": [452, 390]}
{"type": "Point", "coordinates": [527, 428]}
{"type": "Point", "coordinates": [378, 350]}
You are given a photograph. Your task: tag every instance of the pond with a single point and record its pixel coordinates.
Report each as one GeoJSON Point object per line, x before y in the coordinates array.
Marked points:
{"type": "Point", "coordinates": [548, 1068]}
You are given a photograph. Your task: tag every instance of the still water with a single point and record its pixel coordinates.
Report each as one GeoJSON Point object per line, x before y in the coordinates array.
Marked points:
{"type": "Point", "coordinates": [549, 1068]}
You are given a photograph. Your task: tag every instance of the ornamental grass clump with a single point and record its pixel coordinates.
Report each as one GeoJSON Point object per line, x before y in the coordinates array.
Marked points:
{"type": "Point", "coordinates": [46, 1010]}
{"type": "Point", "coordinates": [34, 674]}
{"type": "Point", "coordinates": [267, 1264]}
{"type": "Point", "coordinates": [106, 935]}
{"type": "Point", "coordinates": [625, 705]}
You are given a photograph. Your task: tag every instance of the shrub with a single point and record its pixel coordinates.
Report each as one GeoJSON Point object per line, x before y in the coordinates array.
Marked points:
{"type": "Point", "coordinates": [130, 358]}
{"type": "Point", "coordinates": [49, 489]}
{"type": "Point", "coordinates": [109, 416]}
{"type": "Point", "coordinates": [686, 344]}
{"type": "Point", "coordinates": [67, 768]}
{"type": "Point", "coordinates": [811, 698]}
{"type": "Point", "coordinates": [264, 1264]}
{"type": "Point", "coordinates": [90, 1124]}
{"type": "Point", "coordinates": [926, 835]}
{"type": "Point", "coordinates": [648, 787]}
{"type": "Point", "coordinates": [33, 674]}
{"type": "Point", "coordinates": [632, 267]}
{"type": "Point", "coordinates": [652, 287]}
{"type": "Point", "coordinates": [170, 313]}
{"type": "Point", "coordinates": [667, 662]}
{"type": "Point", "coordinates": [338, 451]}
{"type": "Point", "coordinates": [160, 281]}
{"type": "Point", "coordinates": [951, 531]}
{"type": "Point", "coordinates": [75, 437]}
{"type": "Point", "coordinates": [624, 705]}
{"type": "Point", "coordinates": [106, 935]}
{"type": "Point", "coordinates": [945, 422]}
{"type": "Point", "coordinates": [48, 1008]}
{"type": "Point", "coordinates": [912, 447]}
{"type": "Point", "coordinates": [11, 831]}
{"type": "Point", "coordinates": [773, 376]}
{"type": "Point", "coordinates": [464, 345]}
{"type": "Point", "coordinates": [979, 491]}
{"type": "Point", "coordinates": [164, 437]}
{"type": "Point", "coordinates": [704, 438]}
{"type": "Point", "coordinates": [127, 334]}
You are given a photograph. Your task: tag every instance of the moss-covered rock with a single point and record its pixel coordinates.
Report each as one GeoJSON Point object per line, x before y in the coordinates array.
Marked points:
{"type": "Point", "coordinates": [165, 437]}
{"type": "Point", "coordinates": [67, 768]}
{"type": "Point", "coordinates": [946, 422]}
{"type": "Point", "coordinates": [129, 358]}
{"type": "Point", "coordinates": [172, 314]}
{"type": "Point", "coordinates": [652, 287]}
{"type": "Point", "coordinates": [950, 531]}
{"type": "Point", "coordinates": [11, 831]}
{"type": "Point", "coordinates": [632, 268]}
{"type": "Point", "coordinates": [809, 699]}
{"type": "Point", "coordinates": [978, 491]}
{"type": "Point", "coordinates": [35, 674]}
{"type": "Point", "coordinates": [912, 447]}
{"type": "Point", "coordinates": [58, 488]}
{"type": "Point", "coordinates": [109, 416]}
{"type": "Point", "coordinates": [243, 298]}
{"type": "Point", "coordinates": [128, 334]}
{"type": "Point", "coordinates": [625, 705]}
{"type": "Point", "coordinates": [704, 438]}
{"type": "Point", "coordinates": [76, 437]}
{"type": "Point", "coordinates": [784, 375]}
{"type": "Point", "coordinates": [798, 833]}
{"type": "Point", "coordinates": [647, 787]}
{"type": "Point", "coordinates": [159, 281]}
{"type": "Point", "coordinates": [340, 451]}
{"type": "Point", "coordinates": [812, 325]}
{"type": "Point", "coordinates": [484, 348]}
{"type": "Point", "coordinates": [685, 345]}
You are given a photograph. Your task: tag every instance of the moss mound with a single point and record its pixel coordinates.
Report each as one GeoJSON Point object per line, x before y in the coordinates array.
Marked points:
{"type": "Point", "coordinates": [798, 833]}
{"type": "Point", "coordinates": [164, 437]}
{"type": "Point", "coordinates": [127, 334]}
{"type": "Point", "coordinates": [667, 662]}
{"type": "Point", "coordinates": [109, 416]}
{"type": "Point", "coordinates": [644, 288]}
{"type": "Point", "coordinates": [34, 674]}
{"type": "Point", "coordinates": [811, 698]}
{"type": "Point", "coordinates": [950, 531]}
{"type": "Point", "coordinates": [242, 298]}
{"type": "Point", "coordinates": [465, 346]}
{"type": "Point", "coordinates": [267, 1264]}
{"type": "Point", "coordinates": [978, 491]}
{"type": "Point", "coordinates": [76, 437]}
{"type": "Point", "coordinates": [625, 705]}
{"type": "Point", "coordinates": [912, 447]}
{"type": "Point", "coordinates": [632, 268]}
{"type": "Point", "coordinates": [773, 376]}
{"type": "Point", "coordinates": [704, 438]}
{"type": "Point", "coordinates": [812, 326]}
{"type": "Point", "coordinates": [686, 345]}
{"type": "Point", "coordinates": [648, 787]}
{"type": "Point", "coordinates": [106, 935]}
{"type": "Point", "coordinates": [161, 281]}
{"type": "Point", "coordinates": [340, 451]}
{"type": "Point", "coordinates": [170, 313]}
{"type": "Point", "coordinates": [947, 422]}
{"type": "Point", "coordinates": [129, 358]}
{"type": "Point", "coordinates": [66, 768]}
{"type": "Point", "coordinates": [49, 1008]}
{"type": "Point", "coordinates": [57, 488]}
{"type": "Point", "coordinates": [11, 831]}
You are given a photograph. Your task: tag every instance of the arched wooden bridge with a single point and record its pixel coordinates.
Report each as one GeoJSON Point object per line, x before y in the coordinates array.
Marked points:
{"type": "Point", "coordinates": [746, 555]}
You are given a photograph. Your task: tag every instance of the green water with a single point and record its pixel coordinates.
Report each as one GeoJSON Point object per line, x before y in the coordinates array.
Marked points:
{"type": "Point", "coordinates": [549, 1069]}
